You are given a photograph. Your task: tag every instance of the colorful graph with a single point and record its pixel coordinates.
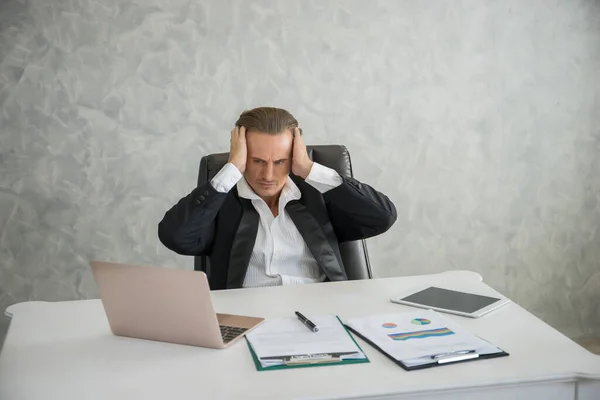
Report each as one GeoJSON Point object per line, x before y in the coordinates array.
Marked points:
{"type": "Point", "coordinates": [421, 334]}
{"type": "Point", "coordinates": [389, 325]}
{"type": "Point", "coordinates": [420, 321]}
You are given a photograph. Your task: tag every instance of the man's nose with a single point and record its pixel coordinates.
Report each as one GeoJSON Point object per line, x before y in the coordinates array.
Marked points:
{"type": "Point", "coordinates": [268, 171]}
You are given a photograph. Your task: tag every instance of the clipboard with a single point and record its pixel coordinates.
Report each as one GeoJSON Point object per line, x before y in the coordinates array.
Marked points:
{"type": "Point", "coordinates": [452, 358]}
{"type": "Point", "coordinates": [310, 360]}
{"type": "Point", "coordinates": [422, 339]}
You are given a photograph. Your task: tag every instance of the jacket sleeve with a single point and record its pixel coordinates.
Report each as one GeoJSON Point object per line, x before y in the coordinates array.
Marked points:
{"type": "Point", "coordinates": [188, 227]}
{"type": "Point", "coordinates": [357, 211]}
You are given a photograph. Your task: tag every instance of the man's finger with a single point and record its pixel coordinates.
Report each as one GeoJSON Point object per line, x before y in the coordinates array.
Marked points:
{"type": "Point", "coordinates": [297, 136]}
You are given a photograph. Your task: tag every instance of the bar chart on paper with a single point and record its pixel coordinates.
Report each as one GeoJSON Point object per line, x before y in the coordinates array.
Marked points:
{"type": "Point", "coordinates": [421, 334]}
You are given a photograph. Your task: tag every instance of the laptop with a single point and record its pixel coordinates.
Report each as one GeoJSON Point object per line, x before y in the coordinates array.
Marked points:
{"type": "Point", "coordinates": [166, 305]}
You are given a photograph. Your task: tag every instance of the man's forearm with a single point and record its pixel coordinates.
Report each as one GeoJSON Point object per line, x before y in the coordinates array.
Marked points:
{"type": "Point", "coordinates": [357, 211]}
{"type": "Point", "coordinates": [226, 178]}
{"type": "Point", "coordinates": [188, 227]}
{"type": "Point", "coordinates": [323, 178]}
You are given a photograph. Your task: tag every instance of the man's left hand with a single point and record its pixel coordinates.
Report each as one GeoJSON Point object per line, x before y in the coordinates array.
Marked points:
{"type": "Point", "coordinates": [301, 164]}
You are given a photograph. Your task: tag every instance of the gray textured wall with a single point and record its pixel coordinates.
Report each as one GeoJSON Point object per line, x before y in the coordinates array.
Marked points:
{"type": "Point", "coordinates": [480, 119]}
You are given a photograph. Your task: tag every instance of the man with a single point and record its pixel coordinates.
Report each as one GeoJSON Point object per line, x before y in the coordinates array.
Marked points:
{"type": "Point", "coordinates": [262, 226]}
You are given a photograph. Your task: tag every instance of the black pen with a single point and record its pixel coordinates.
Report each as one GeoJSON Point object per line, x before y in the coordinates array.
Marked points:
{"type": "Point", "coordinates": [309, 324]}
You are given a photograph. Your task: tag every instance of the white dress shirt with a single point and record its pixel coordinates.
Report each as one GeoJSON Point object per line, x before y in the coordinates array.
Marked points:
{"type": "Point", "coordinates": [280, 255]}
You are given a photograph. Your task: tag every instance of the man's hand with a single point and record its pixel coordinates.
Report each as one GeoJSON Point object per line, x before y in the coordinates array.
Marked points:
{"type": "Point", "coordinates": [301, 164]}
{"type": "Point", "coordinates": [238, 151]}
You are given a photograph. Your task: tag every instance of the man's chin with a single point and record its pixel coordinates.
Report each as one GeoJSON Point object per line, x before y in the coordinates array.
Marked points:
{"type": "Point", "coordinates": [267, 190]}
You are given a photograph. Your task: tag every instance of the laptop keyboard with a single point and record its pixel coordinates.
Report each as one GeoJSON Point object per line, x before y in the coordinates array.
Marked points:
{"type": "Point", "coordinates": [228, 333]}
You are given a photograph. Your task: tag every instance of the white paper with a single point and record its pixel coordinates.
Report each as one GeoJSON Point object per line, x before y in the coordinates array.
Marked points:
{"type": "Point", "coordinates": [415, 337]}
{"type": "Point", "coordinates": [290, 337]}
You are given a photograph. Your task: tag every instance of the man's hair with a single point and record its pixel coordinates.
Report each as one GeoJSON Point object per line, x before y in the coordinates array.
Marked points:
{"type": "Point", "coordinates": [268, 120]}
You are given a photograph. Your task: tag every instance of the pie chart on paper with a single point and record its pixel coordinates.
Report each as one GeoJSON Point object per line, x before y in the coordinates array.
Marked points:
{"type": "Point", "coordinates": [420, 321]}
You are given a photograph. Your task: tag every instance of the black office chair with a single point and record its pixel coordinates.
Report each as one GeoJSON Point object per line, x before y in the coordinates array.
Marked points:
{"type": "Point", "coordinates": [354, 254]}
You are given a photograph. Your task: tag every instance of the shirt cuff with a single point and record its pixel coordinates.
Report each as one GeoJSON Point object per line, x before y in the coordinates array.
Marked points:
{"type": "Point", "coordinates": [323, 178]}
{"type": "Point", "coordinates": [226, 178]}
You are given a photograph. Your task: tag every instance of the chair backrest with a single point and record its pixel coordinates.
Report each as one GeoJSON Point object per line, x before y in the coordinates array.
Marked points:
{"type": "Point", "coordinates": [354, 254]}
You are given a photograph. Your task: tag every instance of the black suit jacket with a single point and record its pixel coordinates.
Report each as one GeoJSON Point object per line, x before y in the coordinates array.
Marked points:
{"type": "Point", "coordinates": [223, 226]}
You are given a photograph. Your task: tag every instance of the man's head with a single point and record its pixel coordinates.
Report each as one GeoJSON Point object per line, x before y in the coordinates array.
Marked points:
{"type": "Point", "coordinates": [269, 142]}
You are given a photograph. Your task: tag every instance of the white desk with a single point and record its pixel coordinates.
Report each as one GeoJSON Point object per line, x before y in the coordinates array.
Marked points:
{"type": "Point", "coordinates": [65, 351]}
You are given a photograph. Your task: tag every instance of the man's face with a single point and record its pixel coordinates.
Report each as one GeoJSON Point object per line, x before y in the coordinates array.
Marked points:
{"type": "Point", "coordinates": [269, 162]}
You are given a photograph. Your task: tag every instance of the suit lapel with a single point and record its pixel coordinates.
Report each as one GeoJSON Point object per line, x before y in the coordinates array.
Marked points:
{"type": "Point", "coordinates": [316, 240]}
{"type": "Point", "coordinates": [242, 246]}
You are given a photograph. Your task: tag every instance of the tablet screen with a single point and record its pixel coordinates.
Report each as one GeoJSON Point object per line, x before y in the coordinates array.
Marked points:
{"type": "Point", "coordinates": [451, 300]}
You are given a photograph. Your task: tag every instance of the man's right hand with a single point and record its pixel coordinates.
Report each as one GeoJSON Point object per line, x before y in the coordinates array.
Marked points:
{"type": "Point", "coordinates": [238, 151]}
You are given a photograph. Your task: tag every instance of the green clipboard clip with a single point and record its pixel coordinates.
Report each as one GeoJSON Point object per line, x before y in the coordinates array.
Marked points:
{"type": "Point", "coordinates": [309, 358]}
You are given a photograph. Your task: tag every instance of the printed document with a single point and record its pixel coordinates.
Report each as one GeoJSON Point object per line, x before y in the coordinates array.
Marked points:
{"type": "Point", "coordinates": [417, 337]}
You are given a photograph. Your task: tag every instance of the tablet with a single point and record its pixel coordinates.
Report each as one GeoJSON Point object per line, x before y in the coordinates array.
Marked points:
{"type": "Point", "coordinates": [451, 301]}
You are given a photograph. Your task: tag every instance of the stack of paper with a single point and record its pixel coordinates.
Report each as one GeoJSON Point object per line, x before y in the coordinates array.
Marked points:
{"type": "Point", "coordinates": [288, 342]}
{"type": "Point", "coordinates": [420, 338]}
